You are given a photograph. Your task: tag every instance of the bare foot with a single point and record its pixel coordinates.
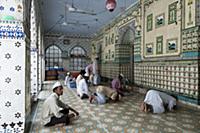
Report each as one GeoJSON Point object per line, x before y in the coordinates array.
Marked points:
{"type": "Point", "coordinates": [59, 125]}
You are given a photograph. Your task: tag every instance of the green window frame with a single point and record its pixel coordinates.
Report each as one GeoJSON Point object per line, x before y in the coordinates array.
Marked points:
{"type": "Point", "coordinates": [112, 38]}
{"type": "Point", "coordinates": [106, 41]}
{"type": "Point", "coordinates": [159, 45]}
{"type": "Point", "coordinates": [149, 22]}
{"type": "Point", "coordinates": [172, 13]}
{"type": "Point", "coordinates": [109, 54]}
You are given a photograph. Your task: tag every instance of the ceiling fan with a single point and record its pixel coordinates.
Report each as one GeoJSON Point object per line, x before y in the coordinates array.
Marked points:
{"type": "Point", "coordinates": [73, 9]}
{"type": "Point", "coordinates": [77, 23]}
{"type": "Point", "coordinates": [66, 23]}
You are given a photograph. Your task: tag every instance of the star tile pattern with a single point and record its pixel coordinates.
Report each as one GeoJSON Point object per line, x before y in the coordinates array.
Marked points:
{"type": "Point", "coordinates": [7, 56]}
{"type": "Point", "coordinates": [18, 115]}
{"type": "Point", "coordinates": [34, 74]}
{"type": "Point", "coordinates": [8, 80]}
{"type": "Point", "coordinates": [121, 117]}
{"type": "Point", "coordinates": [34, 54]}
{"type": "Point", "coordinates": [12, 71]}
{"type": "Point", "coordinates": [18, 68]}
{"type": "Point", "coordinates": [17, 44]}
{"type": "Point", "coordinates": [17, 92]}
{"type": "Point", "coordinates": [8, 104]}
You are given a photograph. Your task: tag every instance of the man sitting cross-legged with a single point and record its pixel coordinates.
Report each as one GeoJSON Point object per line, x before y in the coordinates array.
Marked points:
{"type": "Point", "coordinates": [54, 110]}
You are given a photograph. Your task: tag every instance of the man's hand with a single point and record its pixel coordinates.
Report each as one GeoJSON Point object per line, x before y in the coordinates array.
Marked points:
{"type": "Point", "coordinates": [73, 110]}
{"type": "Point", "coordinates": [77, 114]}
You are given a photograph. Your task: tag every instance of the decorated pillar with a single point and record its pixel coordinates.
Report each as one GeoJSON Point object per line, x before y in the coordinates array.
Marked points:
{"type": "Point", "coordinates": [34, 53]}
{"type": "Point", "coordinates": [14, 66]}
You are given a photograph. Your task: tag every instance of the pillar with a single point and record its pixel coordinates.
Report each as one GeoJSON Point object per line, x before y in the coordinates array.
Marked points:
{"type": "Point", "coordinates": [14, 66]}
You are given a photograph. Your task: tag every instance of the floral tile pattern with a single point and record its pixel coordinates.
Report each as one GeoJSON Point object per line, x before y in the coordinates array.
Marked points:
{"type": "Point", "coordinates": [121, 117]}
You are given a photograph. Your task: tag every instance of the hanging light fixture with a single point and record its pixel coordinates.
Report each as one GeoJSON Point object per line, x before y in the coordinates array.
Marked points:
{"type": "Point", "coordinates": [111, 5]}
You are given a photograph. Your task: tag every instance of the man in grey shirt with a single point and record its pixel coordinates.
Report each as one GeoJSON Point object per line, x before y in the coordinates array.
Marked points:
{"type": "Point", "coordinates": [54, 110]}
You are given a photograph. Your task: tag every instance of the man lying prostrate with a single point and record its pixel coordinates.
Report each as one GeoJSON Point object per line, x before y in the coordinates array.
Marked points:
{"type": "Point", "coordinates": [156, 101]}
{"type": "Point", "coordinates": [102, 92]}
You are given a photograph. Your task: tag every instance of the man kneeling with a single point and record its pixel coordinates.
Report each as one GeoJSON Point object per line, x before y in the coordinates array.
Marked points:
{"type": "Point", "coordinates": [156, 101]}
{"type": "Point", "coordinates": [54, 110]}
{"type": "Point", "coordinates": [102, 92]}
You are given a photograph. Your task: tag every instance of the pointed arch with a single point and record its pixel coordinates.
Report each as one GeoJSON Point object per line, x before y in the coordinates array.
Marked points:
{"type": "Point", "coordinates": [78, 58]}
{"type": "Point", "coordinates": [128, 36]}
{"type": "Point", "coordinates": [53, 57]}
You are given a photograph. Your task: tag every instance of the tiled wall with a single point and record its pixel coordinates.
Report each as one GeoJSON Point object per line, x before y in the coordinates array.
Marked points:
{"type": "Point", "coordinates": [137, 49]}
{"type": "Point", "coordinates": [12, 77]}
{"type": "Point", "coordinates": [191, 40]}
{"type": "Point", "coordinates": [14, 65]}
{"type": "Point", "coordinates": [112, 70]}
{"type": "Point", "coordinates": [179, 78]}
{"type": "Point", "coordinates": [175, 70]}
{"type": "Point", "coordinates": [11, 10]}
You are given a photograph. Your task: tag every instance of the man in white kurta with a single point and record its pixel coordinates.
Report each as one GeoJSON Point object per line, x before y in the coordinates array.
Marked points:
{"type": "Point", "coordinates": [158, 100]}
{"type": "Point", "coordinates": [82, 89]}
{"type": "Point", "coordinates": [79, 77]}
{"type": "Point", "coordinates": [54, 110]}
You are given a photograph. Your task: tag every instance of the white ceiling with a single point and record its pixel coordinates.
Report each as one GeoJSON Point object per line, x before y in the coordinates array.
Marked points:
{"type": "Point", "coordinates": [53, 15]}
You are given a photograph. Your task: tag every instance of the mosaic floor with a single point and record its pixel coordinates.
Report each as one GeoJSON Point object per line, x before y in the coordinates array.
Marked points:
{"type": "Point", "coordinates": [121, 117]}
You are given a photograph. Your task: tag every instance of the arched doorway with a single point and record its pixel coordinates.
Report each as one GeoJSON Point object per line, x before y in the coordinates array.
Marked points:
{"type": "Point", "coordinates": [53, 57]}
{"type": "Point", "coordinates": [125, 48]}
{"type": "Point", "coordinates": [53, 62]}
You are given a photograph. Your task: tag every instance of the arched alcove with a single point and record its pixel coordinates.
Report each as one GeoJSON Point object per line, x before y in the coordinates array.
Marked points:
{"type": "Point", "coordinates": [53, 58]}
{"type": "Point", "coordinates": [128, 36]}
{"type": "Point", "coordinates": [124, 51]}
{"type": "Point", "coordinates": [77, 58]}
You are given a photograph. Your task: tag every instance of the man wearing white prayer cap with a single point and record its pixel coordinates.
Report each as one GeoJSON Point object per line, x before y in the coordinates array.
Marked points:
{"type": "Point", "coordinates": [54, 110]}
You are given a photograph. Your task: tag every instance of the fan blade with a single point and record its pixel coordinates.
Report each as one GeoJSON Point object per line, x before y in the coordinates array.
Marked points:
{"type": "Point", "coordinates": [73, 9]}
{"type": "Point", "coordinates": [83, 12]}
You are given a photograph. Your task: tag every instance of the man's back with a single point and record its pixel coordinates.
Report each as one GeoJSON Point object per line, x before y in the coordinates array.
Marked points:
{"type": "Point", "coordinates": [83, 87]}
{"type": "Point", "coordinates": [168, 100]}
{"type": "Point", "coordinates": [153, 98]}
{"type": "Point", "coordinates": [105, 90]}
{"type": "Point", "coordinates": [116, 84]}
